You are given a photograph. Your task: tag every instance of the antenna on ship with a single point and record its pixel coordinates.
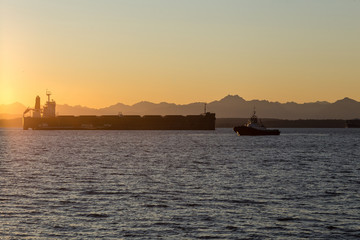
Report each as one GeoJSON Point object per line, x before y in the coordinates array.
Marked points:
{"type": "Point", "coordinates": [204, 108]}
{"type": "Point", "coordinates": [48, 93]}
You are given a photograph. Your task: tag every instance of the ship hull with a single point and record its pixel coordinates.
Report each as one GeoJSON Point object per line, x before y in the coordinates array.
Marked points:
{"type": "Point", "coordinates": [355, 123]}
{"type": "Point", "coordinates": [248, 131]}
{"type": "Point", "coordinates": [122, 122]}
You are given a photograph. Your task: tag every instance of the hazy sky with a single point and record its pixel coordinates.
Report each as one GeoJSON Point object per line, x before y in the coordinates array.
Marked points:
{"type": "Point", "coordinates": [97, 53]}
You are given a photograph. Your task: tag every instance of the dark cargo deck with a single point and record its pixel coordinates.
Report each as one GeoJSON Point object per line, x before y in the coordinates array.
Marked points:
{"type": "Point", "coordinates": [122, 122]}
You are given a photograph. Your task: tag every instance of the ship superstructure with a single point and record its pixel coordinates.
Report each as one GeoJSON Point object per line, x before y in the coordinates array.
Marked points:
{"type": "Point", "coordinates": [46, 119]}
{"type": "Point", "coordinates": [47, 111]}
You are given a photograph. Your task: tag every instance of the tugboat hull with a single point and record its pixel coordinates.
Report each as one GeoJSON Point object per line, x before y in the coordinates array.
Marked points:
{"type": "Point", "coordinates": [249, 131]}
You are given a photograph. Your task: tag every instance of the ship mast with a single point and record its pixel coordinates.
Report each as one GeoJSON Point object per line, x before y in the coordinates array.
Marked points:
{"type": "Point", "coordinates": [48, 93]}
{"type": "Point", "coordinates": [49, 108]}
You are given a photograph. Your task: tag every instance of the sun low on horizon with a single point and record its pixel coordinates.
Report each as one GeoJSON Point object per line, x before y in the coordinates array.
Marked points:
{"type": "Point", "coordinates": [98, 53]}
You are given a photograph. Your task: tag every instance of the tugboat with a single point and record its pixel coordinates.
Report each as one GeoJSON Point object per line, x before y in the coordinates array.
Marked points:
{"type": "Point", "coordinates": [254, 127]}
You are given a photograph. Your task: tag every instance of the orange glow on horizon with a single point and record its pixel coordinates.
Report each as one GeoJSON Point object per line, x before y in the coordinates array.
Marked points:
{"type": "Point", "coordinates": [126, 54]}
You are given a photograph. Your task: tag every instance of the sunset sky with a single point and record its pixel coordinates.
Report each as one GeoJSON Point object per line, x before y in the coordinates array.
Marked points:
{"type": "Point", "coordinates": [98, 53]}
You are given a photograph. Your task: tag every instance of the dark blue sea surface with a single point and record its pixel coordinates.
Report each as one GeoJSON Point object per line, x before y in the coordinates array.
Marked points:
{"type": "Point", "coordinates": [304, 183]}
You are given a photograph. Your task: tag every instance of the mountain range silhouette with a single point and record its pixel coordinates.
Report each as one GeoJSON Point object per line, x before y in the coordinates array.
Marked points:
{"type": "Point", "coordinates": [231, 106]}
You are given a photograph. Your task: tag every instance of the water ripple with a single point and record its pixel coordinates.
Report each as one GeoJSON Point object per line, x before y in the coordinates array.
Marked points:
{"type": "Point", "coordinates": [179, 185]}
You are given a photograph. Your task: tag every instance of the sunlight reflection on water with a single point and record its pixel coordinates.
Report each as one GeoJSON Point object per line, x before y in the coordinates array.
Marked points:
{"type": "Point", "coordinates": [179, 184]}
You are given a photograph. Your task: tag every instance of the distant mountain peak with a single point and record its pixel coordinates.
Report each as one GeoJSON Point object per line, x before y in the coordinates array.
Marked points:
{"type": "Point", "coordinates": [346, 100]}
{"type": "Point", "coordinates": [117, 105]}
{"type": "Point", "coordinates": [143, 103]}
{"type": "Point", "coordinates": [232, 98]}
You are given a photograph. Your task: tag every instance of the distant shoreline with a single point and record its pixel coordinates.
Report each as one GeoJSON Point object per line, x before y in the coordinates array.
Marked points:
{"type": "Point", "coordinates": [11, 123]}
{"type": "Point", "coordinates": [231, 122]}
{"type": "Point", "coordinates": [284, 123]}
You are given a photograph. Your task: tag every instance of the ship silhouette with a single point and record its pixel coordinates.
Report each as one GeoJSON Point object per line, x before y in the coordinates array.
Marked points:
{"type": "Point", "coordinates": [254, 127]}
{"type": "Point", "coordinates": [45, 119]}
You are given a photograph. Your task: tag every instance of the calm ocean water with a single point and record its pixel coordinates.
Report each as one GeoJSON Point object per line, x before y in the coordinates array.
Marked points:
{"type": "Point", "coordinates": [304, 183]}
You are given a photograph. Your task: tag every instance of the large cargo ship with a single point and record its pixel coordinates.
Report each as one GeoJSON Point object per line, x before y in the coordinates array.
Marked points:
{"type": "Point", "coordinates": [45, 119]}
